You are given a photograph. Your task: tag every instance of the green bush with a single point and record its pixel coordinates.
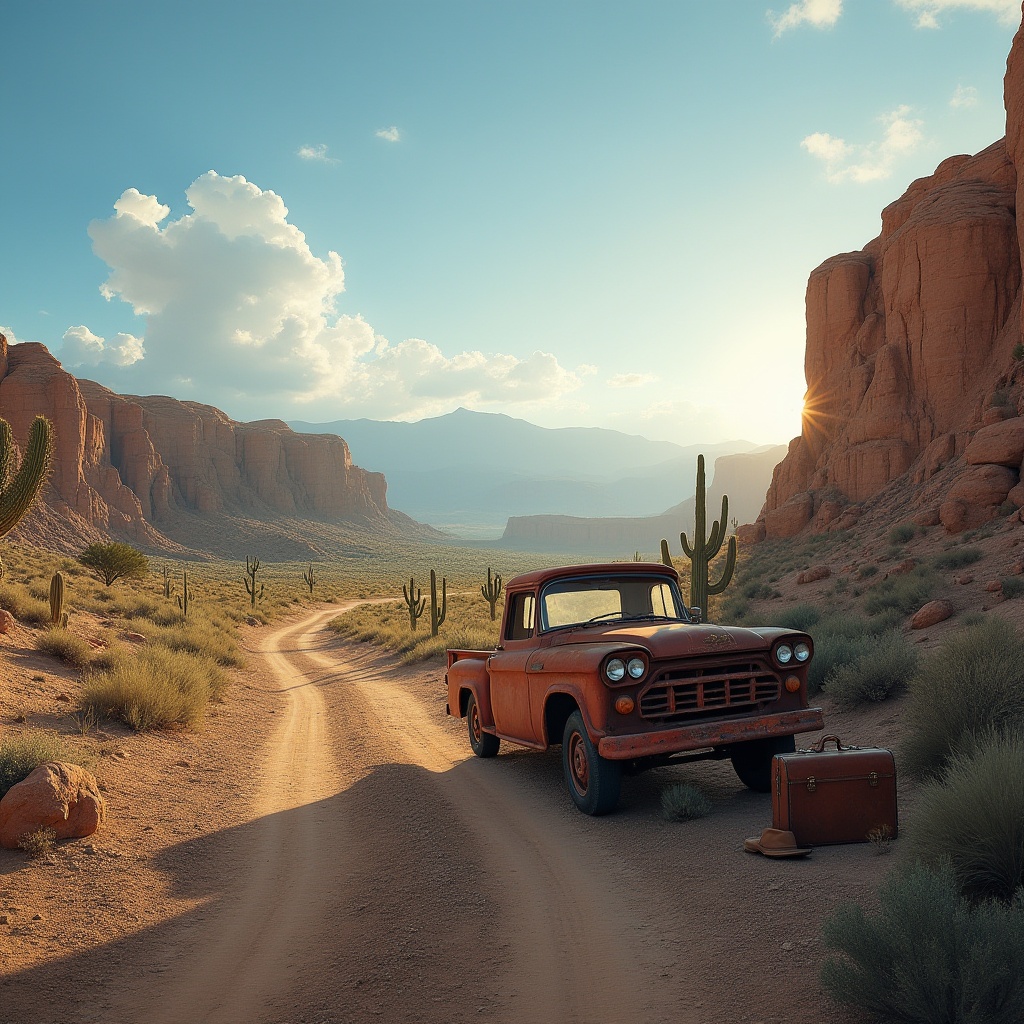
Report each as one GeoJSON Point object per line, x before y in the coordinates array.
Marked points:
{"type": "Point", "coordinates": [904, 593]}
{"type": "Point", "coordinates": [800, 616]}
{"type": "Point", "coordinates": [683, 801]}
{"type": "Point", "coordinates": [902, 533]}
{"type": "Point", "coordinates": [112, 562]}
{"type": "Point", "coordinates": [881, 671]}
{"type": "Point", "coordinates": [158, 689]}
{"type": "Point", "coordinates": [21, 755]}
{"type": "Point", "coordinates": [928, 956]}
{"type": "Point", "coordinates": [971, 684]}
{"type": "Point", "coordinates": [23, 606]}
{"type": "Point", "coordinates": [957, 558]}
{"type": "Point", "coordinates": [62, 643]}
{"type": "Point", "coordinates": [1013, 586]}
{"type": "Point", "coordinates": [973, 817]}
{"type": "Point", "coordinates": [867, 570]}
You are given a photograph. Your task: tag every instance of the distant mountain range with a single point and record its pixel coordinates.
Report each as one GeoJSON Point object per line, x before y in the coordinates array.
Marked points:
{"type": "Point", "coordinates": [468, 472]}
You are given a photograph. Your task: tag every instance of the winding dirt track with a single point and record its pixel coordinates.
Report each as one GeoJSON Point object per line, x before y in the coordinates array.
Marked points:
{"type": "Point", "coordinates": [384, 873]}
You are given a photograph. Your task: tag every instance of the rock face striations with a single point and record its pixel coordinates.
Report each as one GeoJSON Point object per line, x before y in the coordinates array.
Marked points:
{"type": "Point", "coordinates": [910, 353]}
{"type": "Point", "coordinates": [131, 466]}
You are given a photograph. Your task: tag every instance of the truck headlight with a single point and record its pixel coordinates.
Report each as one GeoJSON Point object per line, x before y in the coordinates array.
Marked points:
{"type": "Point", "coordinates": [783, 654]}
{"type": "Point", "coordinates": [636, 668]}
{"type": "Point", "coordinates": [801, 652]}
{"type": "Point", "coordinates": [615, 670]}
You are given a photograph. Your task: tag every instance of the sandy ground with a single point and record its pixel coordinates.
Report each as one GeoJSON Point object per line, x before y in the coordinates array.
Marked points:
{"type": "Point", "coordinates": [328, 850]}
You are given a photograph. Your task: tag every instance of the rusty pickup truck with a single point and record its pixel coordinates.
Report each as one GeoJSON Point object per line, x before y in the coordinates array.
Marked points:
{"type": "Point", "coordinates": [607, 661]}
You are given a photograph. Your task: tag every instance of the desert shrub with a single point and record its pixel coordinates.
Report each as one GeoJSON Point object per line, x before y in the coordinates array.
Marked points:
{"type": "Point", "coordinates": [800, 616]}
{"type": "Point", "coordinates": [38, 844]}
{"type": "Point", "coordinates": [957, 558]}
{"type": "Point", "coordinates": [158, 689]}
{"type": "Point", "coordinates": [881, 671]}
{"type": "Point", "coordinates": [905, 593]}
{"type": "Point", "coordinates": [833, 651]}
{"type": "Point", "coordinates": [1013, 586]}
{"type": "Point", "coordinates": [23, 606]}
{"type": "Point", "coordinates": [21, 755]}
{"type": "Point", "coordinates": [734, 609]}
{"type": "Point", "coordinates": [756, 590]}
{"type": "Point", "coordinates": [1018, 351]}
{"type": "Point", "coordinates": [973, 817]}
{"type": "Point", "coordinates": [902, 532]}
{"type": "Point", "coordinates": [972, 683]}
{"type": "Point", "coordinates": [867, 570]}
{"type": "Point", "coordinates": [62, 643]}
{"type": "Point", "coordinates": [682, 801]}
{"type": "Point", "coordinates": [112, 562]}
{"type": "Point", "coordinates": [928, 956]}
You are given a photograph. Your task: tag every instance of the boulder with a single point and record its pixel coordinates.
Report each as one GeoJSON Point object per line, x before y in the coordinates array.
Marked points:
{"type": "Point", "coordinates": [984, 485]}
{"type": "Point", "coordinates": [750, 533]}
{"type": "Point", "coordinates": [930, 614]}
{"type": "Point", "coordinates": [815, 573]}
{"type": "Point", "coordinates": [57, 795]}
{"type": "Point", "coordinates": [6, 621]}
{"type": "Point", "coordinates": [926, 517]}
{"type": "Point", "coordinates": [790, 519]}
{"type": "Point", "coordinates": [1001, 444]}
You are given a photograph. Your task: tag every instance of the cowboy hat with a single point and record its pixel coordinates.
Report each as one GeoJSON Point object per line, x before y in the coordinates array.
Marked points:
{"type": "Point", "coordinates": [774, 842]}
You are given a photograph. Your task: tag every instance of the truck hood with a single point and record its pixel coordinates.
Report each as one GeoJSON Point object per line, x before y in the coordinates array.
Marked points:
{"type": "Point", "coordinates": [670, 640]}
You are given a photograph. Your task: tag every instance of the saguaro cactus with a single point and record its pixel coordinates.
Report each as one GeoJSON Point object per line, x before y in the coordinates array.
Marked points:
{"type": "Point", "coordinates": [492, 590]}
{"type": "Point", "coordinates": [18, 491]}
{"type": "Point", "coordinates": [58, 617]}
{"type": "Point", "coordinates": [185, 597]}
{"type": "Point", "coordinates": [437, 614]}
{"type": "Point", "coordinates": [168, 582]}
{"type": "Point", "coordinates": [310, 578]}
{"type": "Point", "coordinates": [251, 568]}
{"type": "Point", "coordinates": [704, 549]}
{"type": "Point", "coordinates": [415, 602]}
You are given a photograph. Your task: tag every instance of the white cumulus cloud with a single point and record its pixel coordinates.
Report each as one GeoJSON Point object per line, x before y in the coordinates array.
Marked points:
{"type": "Point", "coordinates": [82, 348]}
{"type": "Point", "coordinates": [929, 11]}
{"type": "Point", "coordinates": [240, 313]}
{"type": "Point", "coordinates": [316, 153]}
{"type": "Point", "coordinates": [390, 134]}
{"type": "Point", "coordinates": [818, 13]}
{"type": "Point", "coordinates": [871, 161]}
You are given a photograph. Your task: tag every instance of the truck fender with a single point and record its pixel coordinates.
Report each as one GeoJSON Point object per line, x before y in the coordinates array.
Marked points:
{"type": "Point", "coordinates": [470, 677]}
{"type": "Point", "coordinates": [558, 706]}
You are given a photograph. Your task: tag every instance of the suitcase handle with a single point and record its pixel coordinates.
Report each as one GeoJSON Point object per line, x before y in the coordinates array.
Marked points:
{"type": "Point", "coordinates": [819, 747]}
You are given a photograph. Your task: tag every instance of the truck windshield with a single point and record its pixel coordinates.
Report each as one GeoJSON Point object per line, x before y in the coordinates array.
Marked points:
{"type": "Point", "coordinates": [607, 598]}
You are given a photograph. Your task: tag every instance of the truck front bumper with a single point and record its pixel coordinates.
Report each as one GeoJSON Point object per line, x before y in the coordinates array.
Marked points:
{"type": "Point", "coordinates": [709, 734]}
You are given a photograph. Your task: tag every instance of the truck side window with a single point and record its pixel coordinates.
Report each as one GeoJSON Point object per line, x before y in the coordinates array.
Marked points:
{"type": "Point", "coordinates": [520, 619]}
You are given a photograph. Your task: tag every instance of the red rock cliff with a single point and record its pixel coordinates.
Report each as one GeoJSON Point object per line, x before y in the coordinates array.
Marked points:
{"type": "Point", "coordinates": [910, 347]}
{"type": "Point", "coordinates": [124, 463]}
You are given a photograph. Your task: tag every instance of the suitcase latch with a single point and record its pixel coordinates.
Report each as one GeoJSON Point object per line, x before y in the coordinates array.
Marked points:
{"type": "Point", "coordinates": [872, 778]}
{"type": "Point", "coordinates": [811, 784]}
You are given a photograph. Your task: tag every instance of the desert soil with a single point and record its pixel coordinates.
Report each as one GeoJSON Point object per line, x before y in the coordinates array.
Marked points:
{"type": "Point", "coordinates": [328, 850]}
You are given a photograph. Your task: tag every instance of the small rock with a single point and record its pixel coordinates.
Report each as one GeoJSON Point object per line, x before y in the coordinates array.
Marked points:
{"type": "Point", "coordinates": [5, 919]}
{"type": "Point", "coordinates": [815, 573]}
{"type": "Point", "coordinates": [182, 764]}
{"type": "Point", "coordinates": [787, 946]}
{"type": "Point", "coordinates": [6, 621]}
{"type": "Point", "coordinates": [63, 697]}
{"type": "Point", "coordinates": [134, 638]}
{"type": "Point", "coordinates": [904, 567]}
{"type": "Point", "coordinates": [1017, 568]}
{"type": "Point", "coordinates": [930, 614]}
{"type": "Point", "coordinates": [994, 587]}
{"type": "Point", "coordinates": [963, 580]}
{"type": "Point", "coordinates": [37, 917]}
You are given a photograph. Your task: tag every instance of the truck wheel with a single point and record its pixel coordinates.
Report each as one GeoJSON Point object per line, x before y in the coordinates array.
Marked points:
{"type": "Point", "coordinates": [483, 743]}
{"type": "Point", "coordinates": [593, 781]}
{"type": "Point", "coordinates": [753, 761]}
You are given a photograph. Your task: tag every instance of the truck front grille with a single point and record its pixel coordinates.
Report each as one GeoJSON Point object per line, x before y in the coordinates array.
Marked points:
{"type": "Point", "coordinates": [681, 694]}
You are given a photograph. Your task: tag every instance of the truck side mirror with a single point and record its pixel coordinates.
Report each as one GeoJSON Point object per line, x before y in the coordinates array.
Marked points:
{"type": "Point", "coordinates": [695, 614]}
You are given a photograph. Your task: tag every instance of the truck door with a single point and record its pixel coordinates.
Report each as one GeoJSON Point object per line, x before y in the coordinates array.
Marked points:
{"type": "Point", "coordinates": [510, 689]}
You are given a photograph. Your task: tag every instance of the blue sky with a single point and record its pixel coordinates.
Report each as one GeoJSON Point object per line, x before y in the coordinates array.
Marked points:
{"type": "Point", "coordinates": [580, 213]}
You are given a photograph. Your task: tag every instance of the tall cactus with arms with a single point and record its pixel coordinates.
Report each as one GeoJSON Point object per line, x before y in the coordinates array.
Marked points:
{"type": "Point", "coordinates": [18, 491]}
{"type": "Point", "coordinates": [704, 548]}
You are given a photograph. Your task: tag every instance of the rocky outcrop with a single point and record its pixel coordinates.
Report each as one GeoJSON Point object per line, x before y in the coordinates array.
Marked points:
{"type": "Point", "coordinates": [910, 346]}
{"type": "Point", "coordinates": [58, 796]}
{"type": "Point", "coordinates": [124, 464]}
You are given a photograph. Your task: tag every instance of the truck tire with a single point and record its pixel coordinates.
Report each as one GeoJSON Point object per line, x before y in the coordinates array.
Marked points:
{"type": "Point", "coordinates": [753, 761]}
{"type": "Point", "coordinates": [483, 743]}
{"type": "Point", "coordinates": [593, 780]}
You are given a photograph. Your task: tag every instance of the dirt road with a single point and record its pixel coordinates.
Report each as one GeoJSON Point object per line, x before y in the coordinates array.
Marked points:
{"type": "Point", "coordinates": [385, 874]}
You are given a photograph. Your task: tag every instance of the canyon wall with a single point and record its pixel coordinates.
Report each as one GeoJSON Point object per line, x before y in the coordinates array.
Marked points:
{"type": "Point", "coordinates": [911, 352]}
{"type": "Point", "coordinates": [125, 465]}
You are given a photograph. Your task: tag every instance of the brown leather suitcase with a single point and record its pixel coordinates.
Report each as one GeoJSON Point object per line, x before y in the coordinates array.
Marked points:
{"type": "Point", "coordinates": [845, 795]}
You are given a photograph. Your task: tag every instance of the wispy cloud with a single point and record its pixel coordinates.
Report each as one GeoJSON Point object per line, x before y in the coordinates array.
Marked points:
{"type": "Point", "coordinates": [630, 380]}
{"type": "Point", "coordinates": [818, 13]}
{"type": "Point", "coordinates": [316, 153]}
{"type": "Point", "coordinates": [929, 11]}
{"type": "Point", "coordinates": [965, 97]}
{"type": "Point", "coordinates": [391, 134]}
{"type": "Point", "coordinates": [870, 161]}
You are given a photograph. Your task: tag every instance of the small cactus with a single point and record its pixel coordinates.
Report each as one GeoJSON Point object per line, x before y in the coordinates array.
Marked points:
{"type": "Point", "coordinates": [251, 568]}
{"type": "Point", "coordinates": [58, 617]}
{"type": "Point", "coordinates": [492, 591]}
{"type": "Point", "coordinates": [415, 602]}
{"type": "Point", "coordinates": [310, 579]}
{"type": "Point", "coordinates": [437, 615]}
{"type": "Point", "coordinates": [168, 582]}
{"type": "Point", "coordinates": [185, 597]}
